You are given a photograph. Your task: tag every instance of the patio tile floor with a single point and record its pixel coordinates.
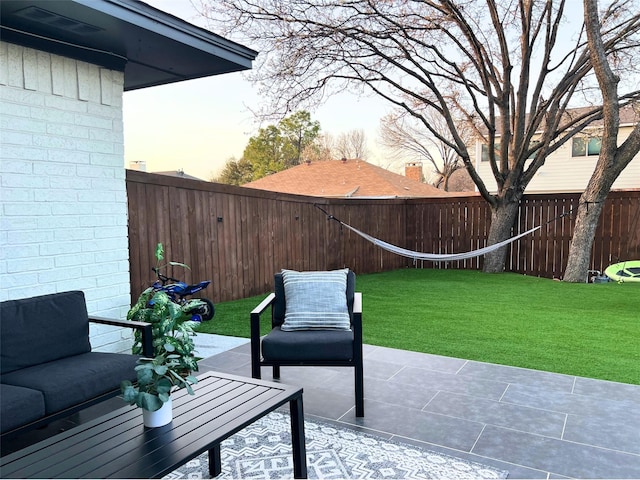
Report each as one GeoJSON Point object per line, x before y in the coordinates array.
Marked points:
{"type": "Point", "coordinates": [534, 424]}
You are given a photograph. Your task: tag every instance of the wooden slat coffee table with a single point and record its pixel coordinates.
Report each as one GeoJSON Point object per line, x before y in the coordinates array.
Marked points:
{"type": "Point", "coordinates": [117, 445]}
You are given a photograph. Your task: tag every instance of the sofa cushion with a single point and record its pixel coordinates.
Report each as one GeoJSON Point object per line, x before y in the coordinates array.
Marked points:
{"type": "Point", "coordinates": [42, 329]}
{"type": "Point", "coordinates": [307, 345]}
{"type": "Point", "coordinates": [73, 380]}
{"type": "Point", "coordinates": [19, 406]}
{"type": "Point", "coordinates": [316, 300]}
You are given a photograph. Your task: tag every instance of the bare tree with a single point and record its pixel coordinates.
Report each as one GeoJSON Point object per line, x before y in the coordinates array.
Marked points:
{"type": "Point", "coordinates": [509, 68]}
{"type": "Point", "coordinates": [320, 150]}
{"type": "Point", "coordinates": [352, 144]}
{"type": "Point", "coordinates": [404, 135]}
{"type": "Point", "coordinates": [612, 159]}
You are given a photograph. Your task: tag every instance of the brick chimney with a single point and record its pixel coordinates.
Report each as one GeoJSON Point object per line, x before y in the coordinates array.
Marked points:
{"type": "Point", "coordinates": [413, 170]}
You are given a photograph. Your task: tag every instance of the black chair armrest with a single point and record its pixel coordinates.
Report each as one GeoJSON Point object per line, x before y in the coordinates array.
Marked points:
{"type": "Point", "coordinates": [357, 317]}
{"type": "Point", "coordinates": [357, 303]}
{"type": "Point", "coordinates": [144, 327]}
{"type": "Point", "coordinates": [255, 332]}
{"type": "Point", "coordinates": [358, 353]}
{"type": "Point", "coordinates": [264, 304]}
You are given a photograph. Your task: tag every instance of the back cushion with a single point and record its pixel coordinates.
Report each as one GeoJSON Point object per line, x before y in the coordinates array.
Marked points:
{"type": "Point", "coordinates": [280, 305]}
{"type": "Point", "coordinates": [41, 329]}
{"type": "Point", "coordinates": [316, 300]}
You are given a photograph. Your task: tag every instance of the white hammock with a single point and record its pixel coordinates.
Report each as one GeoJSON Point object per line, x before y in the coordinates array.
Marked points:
{"type": "Point", "coordinates": [436, 257]}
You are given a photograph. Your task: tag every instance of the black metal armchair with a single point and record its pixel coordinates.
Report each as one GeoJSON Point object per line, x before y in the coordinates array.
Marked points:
{"type": "Point", "coordinates": [309, 347]}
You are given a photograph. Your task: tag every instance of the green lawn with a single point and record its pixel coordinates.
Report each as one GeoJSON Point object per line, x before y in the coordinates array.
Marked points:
{"type": "Point", "coordinates": [590, 330]}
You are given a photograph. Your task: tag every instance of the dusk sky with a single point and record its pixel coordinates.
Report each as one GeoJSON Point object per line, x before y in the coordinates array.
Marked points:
{"type": "Point", "coordinates": [198, 125]}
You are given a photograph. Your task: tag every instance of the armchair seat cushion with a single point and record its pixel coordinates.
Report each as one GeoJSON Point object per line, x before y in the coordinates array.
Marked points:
{"type": "Point", "coordinates": [307, 345]}
{"type": "Point", "coordinates": [73, 380]}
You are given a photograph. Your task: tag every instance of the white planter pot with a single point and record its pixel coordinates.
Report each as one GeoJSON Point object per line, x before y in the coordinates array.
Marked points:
{"type": "Point", "coordinates": [159, 417]}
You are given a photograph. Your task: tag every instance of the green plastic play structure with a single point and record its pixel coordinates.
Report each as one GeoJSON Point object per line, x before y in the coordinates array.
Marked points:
{"type": "Point", "coordinates": [624, 271]}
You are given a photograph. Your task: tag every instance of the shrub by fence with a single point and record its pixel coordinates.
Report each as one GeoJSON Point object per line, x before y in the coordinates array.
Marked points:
{"type": "Point", "coordinates": [239, 237]}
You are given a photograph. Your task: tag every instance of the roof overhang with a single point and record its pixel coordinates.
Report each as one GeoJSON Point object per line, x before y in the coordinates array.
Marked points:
{"type": "Point", "coordinates": [150, 46]}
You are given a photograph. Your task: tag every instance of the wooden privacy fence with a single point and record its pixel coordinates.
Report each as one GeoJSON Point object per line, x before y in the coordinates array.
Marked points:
{"type": "Point", "coordinates": [238, 237]}
{"type": "Point", "coordinates": [452, 225]}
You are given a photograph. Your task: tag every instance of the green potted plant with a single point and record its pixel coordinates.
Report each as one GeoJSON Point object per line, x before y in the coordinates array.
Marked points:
{"type": "Point", "coordinates": [170, 323]}
{"type": "Point", "coordinates": [157, 377]}
{"type": "Point", "coordinates": [173, 349]}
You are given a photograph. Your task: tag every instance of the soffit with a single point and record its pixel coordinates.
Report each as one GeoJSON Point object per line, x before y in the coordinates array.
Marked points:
{"type": "Point", "coordinates": [150, 46]}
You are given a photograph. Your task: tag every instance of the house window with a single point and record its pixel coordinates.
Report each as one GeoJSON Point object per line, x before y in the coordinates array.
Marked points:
{"type": "Point", "coordinates": [485, 152]}
{"type": "Point", "coordinates": [533, 143]}
{"type": "Point", "coordinates": [585, 146]}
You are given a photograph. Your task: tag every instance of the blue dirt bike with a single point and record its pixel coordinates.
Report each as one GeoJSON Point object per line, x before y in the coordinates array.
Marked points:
{"type": "Point", "coordinates": [178, 292]}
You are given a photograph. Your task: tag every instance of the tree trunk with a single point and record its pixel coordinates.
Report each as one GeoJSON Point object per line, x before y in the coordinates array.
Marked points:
{"type": "Point", "coordinates": [612, 159]}
{"type": "Point", "coordinates": [502, 218]}
{"type": "Point", "coordinates": [582, 241]}
{"type": "Point", "coordinates": [446, 182]}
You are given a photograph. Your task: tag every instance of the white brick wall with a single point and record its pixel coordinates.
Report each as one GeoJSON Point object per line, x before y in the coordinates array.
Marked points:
{"type": "Point", "coordinates": [63, 222]}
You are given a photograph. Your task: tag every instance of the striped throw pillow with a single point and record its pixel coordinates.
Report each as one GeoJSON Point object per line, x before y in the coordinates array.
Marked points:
{"type": "Point", "coordinates": [315, 300]}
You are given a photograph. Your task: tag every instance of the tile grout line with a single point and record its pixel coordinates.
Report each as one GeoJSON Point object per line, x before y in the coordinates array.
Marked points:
{"type": "Point", "coordinates": [504, 393]}
{"type": "Point", "coordinates": [477, 439]}
{"type": "Point", "coordinates": [403, 367]}
{"type": "Point", "coordinates": [564, 426]}
{"type": "Point", "coordinates": [573, 442]}
{"type": "Point", "coordinates": [430, 400]}
{"type": "Point", "coordinates": [466, 362]}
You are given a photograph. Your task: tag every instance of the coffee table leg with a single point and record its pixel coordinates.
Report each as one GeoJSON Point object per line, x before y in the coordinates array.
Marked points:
{"type": "Point", "coordinates": [297, 438]}
{"type": "Point", "coordinates": [215, 463]}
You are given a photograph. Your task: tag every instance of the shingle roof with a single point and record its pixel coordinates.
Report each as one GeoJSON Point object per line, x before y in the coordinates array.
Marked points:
{"type": "Point", "coordinates": [344, 178]}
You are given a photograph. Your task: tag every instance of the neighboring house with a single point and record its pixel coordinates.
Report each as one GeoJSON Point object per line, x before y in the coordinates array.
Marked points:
{"type": "Point", "coordinates": [569, 168]}
{"type": "Point", "coordinates": [344, 179]}
{"type": "Point", "coordinates": [64, 67]}
{"type": "Point", "coordinates": [141, 166]}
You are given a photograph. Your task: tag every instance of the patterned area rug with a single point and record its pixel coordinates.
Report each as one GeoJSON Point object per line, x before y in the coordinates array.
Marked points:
{"type": "Point", "coordinates": [263, 451]}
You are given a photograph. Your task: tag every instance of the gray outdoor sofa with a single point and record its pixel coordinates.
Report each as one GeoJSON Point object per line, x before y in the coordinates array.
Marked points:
{"type": "Point", "coordinates": [47, 368]}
